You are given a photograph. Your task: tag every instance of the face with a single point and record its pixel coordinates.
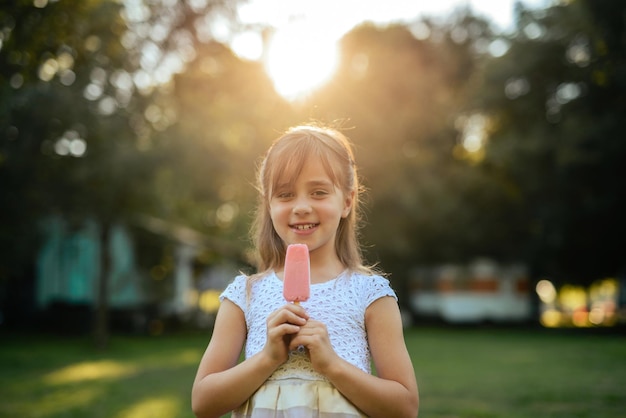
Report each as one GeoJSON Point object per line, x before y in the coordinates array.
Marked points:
{"type": "Point", "coordinates": [308, 211]}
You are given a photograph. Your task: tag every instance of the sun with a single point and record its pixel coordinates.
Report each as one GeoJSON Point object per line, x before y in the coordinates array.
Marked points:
{"type": "Point", "coordinates": [300, 59]}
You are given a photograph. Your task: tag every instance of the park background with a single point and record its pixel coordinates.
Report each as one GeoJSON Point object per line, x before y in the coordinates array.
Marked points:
{"type": "Point", "coordinates": [493, 161]}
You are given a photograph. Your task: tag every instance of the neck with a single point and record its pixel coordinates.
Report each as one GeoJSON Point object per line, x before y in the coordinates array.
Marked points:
{"type": "Point", "coordinates": [325, 269]}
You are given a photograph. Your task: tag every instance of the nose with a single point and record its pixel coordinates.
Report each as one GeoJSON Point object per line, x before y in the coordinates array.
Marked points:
{"type": "Point", "coordinates": [301, 206]}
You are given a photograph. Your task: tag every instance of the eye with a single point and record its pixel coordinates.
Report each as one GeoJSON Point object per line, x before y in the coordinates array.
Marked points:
{"type": "Point", "coordinates": [320, 193]}
{"type": "Point", "coordinates": [284, 195]}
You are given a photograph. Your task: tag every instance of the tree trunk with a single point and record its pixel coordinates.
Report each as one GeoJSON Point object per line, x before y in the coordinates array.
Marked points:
{"type": "Point", "coordinates": [101, 314]}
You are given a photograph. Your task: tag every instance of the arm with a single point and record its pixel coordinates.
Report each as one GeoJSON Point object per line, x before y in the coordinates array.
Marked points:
{"type": "Point", "coordinates": [393, 392]}
{"type": "Point", "coordinates": [221, 384]}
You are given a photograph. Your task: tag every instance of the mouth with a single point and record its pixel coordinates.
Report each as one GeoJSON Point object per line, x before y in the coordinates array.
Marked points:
{"type": "Point", "coordinates": [303, 227]}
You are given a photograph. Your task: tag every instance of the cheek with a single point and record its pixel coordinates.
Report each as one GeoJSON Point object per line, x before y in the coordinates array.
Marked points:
{"type": "Point", "coordinates": [331, 211]}
{"type": "Point", "coordinates": [277, 212]}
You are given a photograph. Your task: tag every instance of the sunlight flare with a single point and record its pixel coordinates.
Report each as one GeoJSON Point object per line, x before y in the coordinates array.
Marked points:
{"type": "Point", "coordinates": [300, 59]}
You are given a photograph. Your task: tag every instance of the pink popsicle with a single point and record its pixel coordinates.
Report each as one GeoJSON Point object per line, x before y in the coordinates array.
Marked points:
{"type": "Point", "coordinates": [297, 275]}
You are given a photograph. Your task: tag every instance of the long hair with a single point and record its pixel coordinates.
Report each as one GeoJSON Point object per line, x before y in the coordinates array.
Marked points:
{"type": "Point", "coordinates": [285, 160]}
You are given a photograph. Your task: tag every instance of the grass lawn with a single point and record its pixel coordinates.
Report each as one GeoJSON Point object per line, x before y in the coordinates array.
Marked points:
{"type": "Point", "coordinates": [461, 372]}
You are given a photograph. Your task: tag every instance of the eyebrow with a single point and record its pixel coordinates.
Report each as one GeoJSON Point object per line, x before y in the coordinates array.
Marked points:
{"type": "Point", "coordinates": [320, 183]}
{"type": "Point", "coordinates": [312, 183]}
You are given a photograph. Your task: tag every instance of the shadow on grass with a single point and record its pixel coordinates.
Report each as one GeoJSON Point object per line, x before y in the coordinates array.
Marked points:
{"type": "Point", "coordinates": [466, 372]}
{"type": "Point", "coordinates": [135, 378]}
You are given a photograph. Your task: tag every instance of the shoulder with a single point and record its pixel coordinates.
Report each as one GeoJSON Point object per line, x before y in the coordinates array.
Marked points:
{"type": "Point", "coordinates": [367, 280]}
{"type": "Point", "coordinates": [238, 283]}
{"type": "Point", "coordinates": [246, 285]}
{"type": "Point", "coordinates": [242, 281]}
{"type": "Point", "coordinates": [370, 287]}
{"type": "Point", "coordinates": [236, 291]}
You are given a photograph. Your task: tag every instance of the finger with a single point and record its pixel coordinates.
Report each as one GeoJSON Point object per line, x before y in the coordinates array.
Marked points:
{"type": "Point", "coordinates": [314, 327]}
{"type": "Point", "coordinates": [296, 343]}
{"type": "Point", "coordinates": [296, 309]}
{"type": "Point", "coordinates": [285, 316]}
{"type": "Point", "coordinates": [289, 309]}
{"type": "Point", "coordinates": [312, 335]}
{"type": "Point", "coordinates": [304, 338]}
{"type": "Point", "coordinates": [279, 331]}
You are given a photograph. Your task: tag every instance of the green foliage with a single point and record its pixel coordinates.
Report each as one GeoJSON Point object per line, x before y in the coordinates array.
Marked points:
{"type": "Point", "coordinates": [556, 103]}
{"type": "Point", "coordinates": [80, 91]}
{"type": "Point", "coordinates": [543, 187]}
{"type": "Point", "coordinates": [82, 114]}
{"type": "Point", "coordinates": [223, 106]}
{"type": "Point", "coordinates": [47, 57]}
{"type": "Point", "coordinates": [402, 96]}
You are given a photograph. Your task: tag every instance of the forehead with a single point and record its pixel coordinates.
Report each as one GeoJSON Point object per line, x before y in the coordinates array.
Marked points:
{"type": "Point", "coordinates": [310, 171]}
{"type": "Point", "coordinates": [311, 168]}
{"type": "Point", "coordinates": [292, 154]}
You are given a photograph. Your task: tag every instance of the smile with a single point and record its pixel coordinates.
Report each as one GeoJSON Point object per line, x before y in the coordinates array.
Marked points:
{"type": "Point", "coordinates": [304, 227]}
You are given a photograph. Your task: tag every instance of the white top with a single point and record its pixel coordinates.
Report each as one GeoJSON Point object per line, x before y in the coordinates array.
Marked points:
{"type": "Point", "coordinates": [339, 303]}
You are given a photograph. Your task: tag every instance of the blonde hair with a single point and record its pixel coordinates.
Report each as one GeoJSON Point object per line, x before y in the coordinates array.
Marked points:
{"type": "Point", "coordinates": [285, 159]}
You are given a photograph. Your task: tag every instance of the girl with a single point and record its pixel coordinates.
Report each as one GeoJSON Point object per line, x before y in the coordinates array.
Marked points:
{"type": "Point", "coordinates": [308, 193]}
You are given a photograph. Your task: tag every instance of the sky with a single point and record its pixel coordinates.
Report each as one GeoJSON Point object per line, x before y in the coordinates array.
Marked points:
{"type": "Point", "coordinates": [302, 53]}
{"type": "Point", "coordinates": [339, 16]}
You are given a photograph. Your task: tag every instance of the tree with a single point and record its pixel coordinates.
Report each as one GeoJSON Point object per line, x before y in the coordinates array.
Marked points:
{"type": "Point", "coordinates": [78, 80]}
{"type": "Point", "coordinates": [228, 115]}
{"type": "Point", "coordinates": [399, 90]}
{"type": "Point", "coordinates": [555, 105]}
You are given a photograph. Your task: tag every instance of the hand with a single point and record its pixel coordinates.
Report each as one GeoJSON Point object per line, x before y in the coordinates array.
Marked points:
{"type": "Point", "coordinates": [314, 336]}
{"type": "Point", "coordinates": [282, 324]}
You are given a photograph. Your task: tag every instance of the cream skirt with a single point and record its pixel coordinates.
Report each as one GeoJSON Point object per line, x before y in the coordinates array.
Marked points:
{"type": "Point", "coordinates": [297, 398]}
